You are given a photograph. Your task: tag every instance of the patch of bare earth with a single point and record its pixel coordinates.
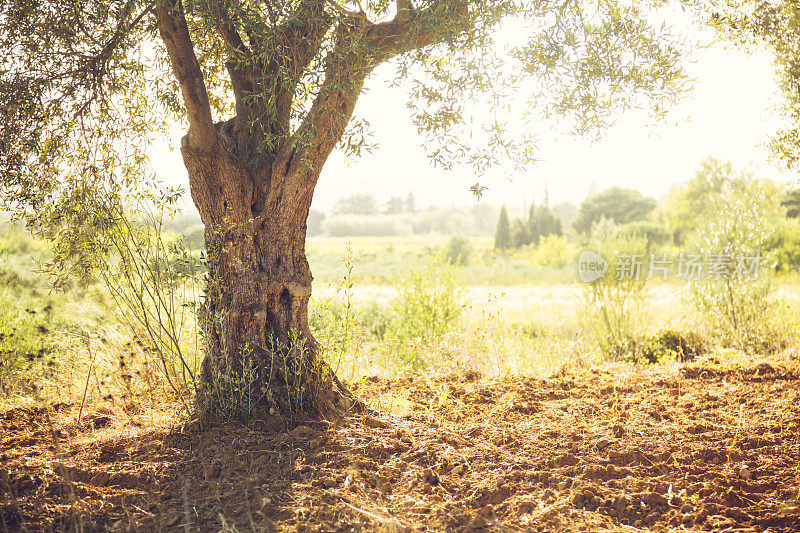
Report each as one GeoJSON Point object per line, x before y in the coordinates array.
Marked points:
{"type": "Point", "coordinates": [698, 447]}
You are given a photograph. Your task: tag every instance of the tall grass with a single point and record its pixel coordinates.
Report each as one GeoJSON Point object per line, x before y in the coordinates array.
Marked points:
{"type": "Point", "coordinates": [156, 283]}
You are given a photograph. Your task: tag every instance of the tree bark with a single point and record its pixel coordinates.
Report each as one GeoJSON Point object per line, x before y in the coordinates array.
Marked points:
{"type": "Point", "coordinates": [252, 181]}
{"type": "Point", "coordinates": [260, 352]}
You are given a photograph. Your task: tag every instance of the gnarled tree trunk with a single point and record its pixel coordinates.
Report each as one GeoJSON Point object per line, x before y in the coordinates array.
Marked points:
{"type": "Point", "coordinates": [259, 348]}
{"type": "Point", "coordinates": [252, 179]}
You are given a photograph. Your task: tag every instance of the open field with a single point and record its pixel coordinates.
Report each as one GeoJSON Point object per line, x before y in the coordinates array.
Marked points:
{"type": "Point", "coordinates": [383, 260]}
{"type": "Point", "coordinates": [699, 447]}
{"type": "Point", "coordinates": [509, 418]}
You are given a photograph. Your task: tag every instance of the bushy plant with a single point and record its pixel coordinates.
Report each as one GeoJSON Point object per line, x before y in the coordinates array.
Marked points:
{"type": "Point", "coordinates": [784, 243]}
{"type": "Point", "coordinates": [655, 234]}
{"type": "Point", "coordinates": [615, 302]}
{"type": "Point", "coordinates": [155, 282]}
{"type": "Point", "coordinates": [458, 251]}
{"type": "Point", "coordinates": [553, 252]}
{"type": "Point", "coordinates": [376, 320]}
{"type": "Point", "coordinates": [428, 303]}
{"type": "Point", "coordinates": [668, 345]}
{"type": "Point", "coordinates": [334, 321]}
{"type": "Point", "coordinates": [734, 295]}
{"type": "Point", "coordinates": [24, 345]}
{"type": "Point", "coordinates": [233, 395]}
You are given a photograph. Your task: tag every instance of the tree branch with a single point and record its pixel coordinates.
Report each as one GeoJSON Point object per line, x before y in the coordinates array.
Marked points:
{"type": "Point", "coordinates": [238, 65]}
{"type": "Point", "coordinates": [174, 32]}
{"type": "Point", "coordinates": [360, 47]}
{"type": "Point", "coordinates": [303, 42]}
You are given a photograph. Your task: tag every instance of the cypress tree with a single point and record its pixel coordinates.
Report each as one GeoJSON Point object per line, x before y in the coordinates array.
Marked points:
{"type": "Point", "coordinates": [502, 237]}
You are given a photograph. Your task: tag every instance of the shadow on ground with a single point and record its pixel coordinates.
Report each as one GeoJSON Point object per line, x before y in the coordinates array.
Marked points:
{"type": "Point", "coordinates": [703, 446]}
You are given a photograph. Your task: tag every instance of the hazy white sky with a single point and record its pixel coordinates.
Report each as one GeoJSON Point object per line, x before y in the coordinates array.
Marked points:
{"type": "Point", "coordinates": [730, 115]}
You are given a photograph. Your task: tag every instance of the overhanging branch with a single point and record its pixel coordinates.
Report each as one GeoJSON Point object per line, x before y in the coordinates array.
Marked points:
{"type": "Point", "coordinates": [174, 32]}
{"type": "Point", "coordinates": [360, 47]}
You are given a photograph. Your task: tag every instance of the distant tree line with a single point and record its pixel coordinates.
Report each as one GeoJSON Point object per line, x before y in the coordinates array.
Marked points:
{"type": "Point", "coordinates": [364, 215]}
{"type": "Point", "coordinates": [540, 222]}
{"type": "Point", "coordinates": [676, 221]}
{"type": "Point", "coordinates": [367, 204]}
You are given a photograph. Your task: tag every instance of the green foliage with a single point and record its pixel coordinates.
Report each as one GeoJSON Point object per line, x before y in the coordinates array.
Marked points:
{"type": "Point", "coordinates": [542, 223]}
{"type": "Point", "coordinates": [655, 234]}
{"type": "Point", "coordinates": [24, 347]}
{"type": "Point", "coordinates": [304, 377]}
{"type": "Point", "coordinates": [234, 392]}
{"type": "Point", "coordinates": [774, 24]}
{"type": "Point", "coordinates": [791, 202]}
{"type": "Point", "coordinates": [233, 395]}
{"type": "Point", "coordinates": [784, 245]}
{"type": "Point", "coordinates": [376, 320]}
{"type": "Point", "coordinates": [502, 237]}
{"type": "Point", "coordinates": [356, 204]}
{"type": "Point", "coordinates": [617, 204]}
{"type": "Point", "coordinates": [334, 321]}
{"type": "Point", "coordinates": [274, 86]}
{"type": "Point", "coordinates": [553, 252]}
{"type": "Point", "coordinates": [405, 329]}
{"type": "Point", "coordinates": [428, 303]}
{"type": "Point", "coordinates": [735, 302]}
{"type": "Point", "coordinates": [520, 234]}
{"type": "Point", "coordinates": [458, 251]}
{"type": "Point", "coordinates": [689, 205]}
{"type": "Point", "coordinates": [29, 318]}
{"type": "Point", "coordinates": [78, 122]}
{"type": "Point", "coordinates": [155, 282]}
{"type": "Point", "coordinates": [615, 302]}
{"type": "Point", "coordinates": [668, 345]}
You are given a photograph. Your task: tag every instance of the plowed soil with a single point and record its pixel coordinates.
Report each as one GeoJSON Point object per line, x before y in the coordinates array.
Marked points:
{"type": "Point", "coordinates": [701, 446]}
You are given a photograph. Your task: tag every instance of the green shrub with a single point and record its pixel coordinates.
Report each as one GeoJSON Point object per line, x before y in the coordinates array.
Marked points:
{"type": "Point", "coordinates": [735, 303]}
{"type": "Point", "coordinates": [553, 252]}
{"type": "Point", "coordinates": [376, 320]}
{"type": "Point", "coordinates": [429, 302]}
{"type": "Point", "coordinates": [458, 251]}
{"type": "Point", "coordinates": [784, 243]}
{"type": "Point", "coordinates": [335, 322]}
{"type": "Point", "coordinates": [24, 345]}
{"type": "Point", "coordinates": [615, 302]}
{"type": "Point", "coordinates": [655, 234]}
{"type": "Point", "coordinates": [668, 345]}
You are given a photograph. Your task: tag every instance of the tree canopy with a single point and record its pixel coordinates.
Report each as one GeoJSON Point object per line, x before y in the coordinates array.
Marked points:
{"type": "Point", "coordinates": [85, 86]}
{"type": "Point", "coordinates": [268, 89]}
{"type": "Point", "coordinates": [617, 204]}
{"type": "Point", "coordinates": [688, 204]}
{"type": "Point", "coordinates": [775, 24]}
{"type": "Point", "coordinates": [502, 236]}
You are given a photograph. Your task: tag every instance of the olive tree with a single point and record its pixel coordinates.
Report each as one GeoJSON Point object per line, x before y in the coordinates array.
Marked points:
{"type": "Point", "coordinates": [267, 89]}
{"type": "Point", "coordinates": [774, 24]}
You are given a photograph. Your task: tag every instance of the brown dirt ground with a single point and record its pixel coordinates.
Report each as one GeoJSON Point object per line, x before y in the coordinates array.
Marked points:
{"type": "Point", "coordinates": [701, 446]}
